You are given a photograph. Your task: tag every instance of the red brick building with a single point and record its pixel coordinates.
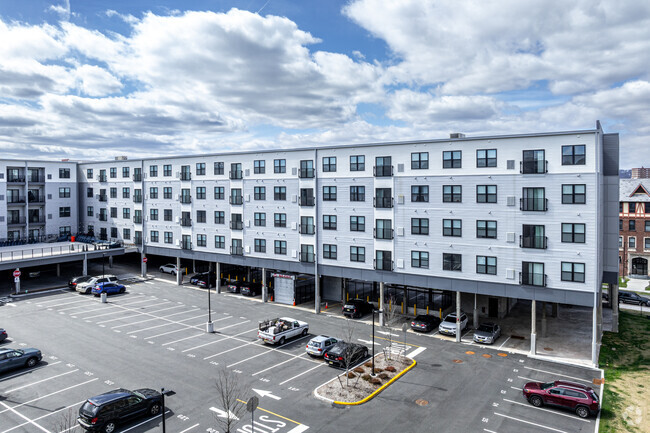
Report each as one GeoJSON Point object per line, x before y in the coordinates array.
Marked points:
{"type": "Point", "coordinates": [634, 228]}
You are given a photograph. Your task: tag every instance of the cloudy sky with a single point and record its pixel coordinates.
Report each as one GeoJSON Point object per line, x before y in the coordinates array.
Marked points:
{"type": "Point", "coordinates": [93, 79]}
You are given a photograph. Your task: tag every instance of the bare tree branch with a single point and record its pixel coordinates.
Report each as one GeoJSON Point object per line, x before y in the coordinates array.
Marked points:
{"type": "Point", "coordinates": [229, 390]}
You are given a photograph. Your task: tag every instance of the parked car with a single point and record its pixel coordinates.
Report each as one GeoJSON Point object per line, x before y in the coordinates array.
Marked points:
{"type": "Point", "coordinates": [356, 308]}
{"type": "Point", "coordinates": [251, 289]}
{"type": "Point", "coordinates": [78, 280]}
{"type": "Point", "coordinates": [581, 399]}
{"type": "Point", "coordinates": [277, 331]}
{"type": "Point", "coordinates": [106, 411]}
{"type": "Point", "coordinates": [487, 333]}
{"type": "Point", "coordinates": [234, 286]}
{"type": "Point", "coordinates": [170, 268]}
{"type": "Point", "coordinates": [632, 298]}
{"type": "Point", "coordinates": [424, 323]}
{"type": "Point", "coordinates": [207, 280]}
{"type": "Point", "coordinates": [3, 335]}
{"type": "Point", "coordinates": [195, 278]}
{"type": "Point", "coordinates": [87, 287]}
{"type": "Point", "coordinates": [344, 354]}
{"type": "Point", "coordinates": [16, 358]}
{"type": "Point", "coordinates": [108, 288]}
{"type": "Point", "coordinates": [448, 325]}
{"type": "Point", "coordinates": [319, 346]}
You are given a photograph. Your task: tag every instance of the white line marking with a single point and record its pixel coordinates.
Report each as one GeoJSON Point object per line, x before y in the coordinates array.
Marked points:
{"type": "Point", "coordinates": [156, 318]}
{"type": "Point", "coordinates": [489, 431]}
{"type": "Point", "coordinates": [275, 365]}
{"type": "Point", "coordinates": [518, 389]}
{"type": "Point", "coordinates": [68, 303]}
{"type": "Point", "coordinates": [181, 339]}
{"type": "Point", "coordinates": [531, 423]}
{"type": "Point", "coordinates": [46, 415]}
{"type": "Point", "coordinates": [299, 429]}
{"type": "Point", "coordinates": [547, 410]}
{"type": "Point", "coordinates": [27, 371]}
{"type": "Point", "coordinates": [230, 350]}
{"type": "Point", "coordinates": [155, 418]}
{"type": "Point", "coordinates": [40, 381]}
{"type": "Point", "coordinates": [25, 418]}
{"type": "Point", "coordinates": [194, 327]}
{"type": "Point", "coordinates": [216, 341]}
{"type": "Point", "coordinates": [298, 375]}
{"type": "Point", "coordinates": [190, 428]}
{"type": "Point", "coordinates": [558, 374]}
{"type": "Point", "coordinates": [52, 393]}
{"type": "Point", "coordinates": [502, 344]}
{"type": "Point", "coordinates": [416, 352]}
{"type": "Point", "coordinates": [147, 320]}
{"type": "Point", "coordinates": [246, 359]}
{"type": "Point", "coordinates": [159, 326]}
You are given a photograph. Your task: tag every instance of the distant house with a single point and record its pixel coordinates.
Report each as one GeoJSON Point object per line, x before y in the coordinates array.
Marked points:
{"type": "Point", "coordinates": [634, 227]}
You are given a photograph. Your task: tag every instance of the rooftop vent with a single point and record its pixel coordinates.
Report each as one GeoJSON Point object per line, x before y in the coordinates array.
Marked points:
{"type": "Point", "coordinates": [456, 135]}
{"type": "Point", "coordinates": [121, 158]}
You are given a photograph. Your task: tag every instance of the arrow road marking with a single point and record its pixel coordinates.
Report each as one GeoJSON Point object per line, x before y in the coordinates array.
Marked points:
{"type": "Point", "coordinates": [223, 414]}
{"type": "Point", "coordinates": [367, 342]}
{"type": "Point", "coordinates": [263, 393]}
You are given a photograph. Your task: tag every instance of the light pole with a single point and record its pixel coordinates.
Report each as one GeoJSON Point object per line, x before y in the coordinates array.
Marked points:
{"type": "Point", "coordinates": [373, 339]}
{"type": "Point", "coordinates": [103, 260]}
{"type": "Point", "coordinates": [163, 393]}
{"type": "Point", "coordinates": [209, 326]}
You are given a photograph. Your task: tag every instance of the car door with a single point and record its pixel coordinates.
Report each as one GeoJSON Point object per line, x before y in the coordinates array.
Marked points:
{"type": "Point", "coordinates": [555, 396]}
{"type": "Point", "coordinates": [134, 406]}
{"type": "Point", "coordinates": [4, 362]}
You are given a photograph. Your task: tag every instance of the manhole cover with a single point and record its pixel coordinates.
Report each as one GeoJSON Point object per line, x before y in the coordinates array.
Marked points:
{"type": "Point", "coordinates": [485, 355]}
{"type": "Point", "coordinates": [421, 402]}
{"type": "Point", "coordinates": [502, 354]}
{"type": "Point", "coordinates": [457, 361]}
{"type": "Point", "coordinates": [469, 352]}
{"type": "Point", "coordinates": [548, 349]}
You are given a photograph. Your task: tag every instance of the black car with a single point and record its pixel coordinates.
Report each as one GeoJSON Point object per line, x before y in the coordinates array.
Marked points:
{"type": "Point", "coordinates": [344, 354]}
{"type": "Point", "coordinates": [234, 286]}
{"type": "Point", "coordinates": [356, 308]}
{"type": "Point", "coordinates": [3, 335]}
{"type": "Point", "coordinates": [104, 412]}
{"type": "Point", "coordinates": [208, 280]}
{"type": "Point", "coordinates": [632, 298]}
{"type": "Point", "coordinates": [78, 280]}
{"type": "Point", "coordinates": [424, 323]}
{"type": "Point", "coordinates": [196, 277]}
{"type": "Point", "coordinates": [251, 289]}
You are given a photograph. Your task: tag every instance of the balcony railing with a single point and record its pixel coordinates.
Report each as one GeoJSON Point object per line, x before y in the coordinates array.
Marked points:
{"type": "Point", "coordinates": [137, 177]}
{"type": "Point", "coordinates": [382, 170]}
{"type": "Point", "coordinates": [383, 202]}
{"type": "Point", "coordinates": [12, 199]}
{"type": "Point", "coordinates": [236, 251]}
{"type": "Point", "coordinates": [103, 217]}
{"type": "Point", "coordinates": [383, 265]}
{"type": "Point", "coordinates": [307, 257]}
{"type": "Point", "coordinates": [533, 204]}
{"type": "Point", "coordinates": [37, 199]}
{"type": "Point", "coordinates": [306, 201]}
{"type": "Point", "coordinates": [138, 219]}
{"type": "Point", "coordinates": [533, 167]}
{"type": "Point", "coordinates": [36, 179]}
{"type": "Point", "coordinates": [186, 199]}
{"type": "Point", "coordinates": [186, 222]}
{"type": "Point", "coordinates": [16, 221]}
{"type": "Point", "coordinates": [16, 179]}
{"type": "Point", "coordinates": [236, 199]}
{"type": "Point", "coordinates": [236, 225]}
{"type": "Point", "coordinates": [39, 219]}
{"type": "Point", "coordinates": [306, 229]}
{"type": "Point", "coordinates": [138, 242]}
{"type": "Point", "coordinates": [185, 175]}
{"type": "Point", "coordinates": [186, 245]}
{"type": "Point", "coordinates": [137, 199]}
{"type": "Point", "coordinates": [102, 197]}
{"type": "Point", "coordinates": [384, 233]}
{"type": "Point", "coordinates": [235, 174]}
{"type": "Point", "coordinates": [532, 279]}
{"type": "Point", "coordinates": [306, 173]}
{"type": "Point", "coordinates": [538, 242]}
{"type": "Point", "coordinates": [102, 178]}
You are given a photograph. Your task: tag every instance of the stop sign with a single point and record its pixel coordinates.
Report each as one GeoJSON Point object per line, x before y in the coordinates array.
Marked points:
{"type": "Point", "coordinates": [144, 260]}
{"type": "Point", "coordinates": [17, 273]}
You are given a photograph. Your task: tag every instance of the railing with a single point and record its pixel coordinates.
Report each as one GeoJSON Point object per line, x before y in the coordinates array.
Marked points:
{"type": "Point", "coordinates": [37, 199]}
{"type": "Point", "coordinates": [9, 256]}
{"type": "Point", "coordinates": [103, 217]}
{"type": "Point", "coordinates": [236, 251]}
{"type": "Point", "coordinates": [307, 257]}
{"type": "Point", "coordinates": [138, 219]}
{"type": "Point", "coordinates": [16, 221]}
{"type": "Point", "coordinates": [185, 175]}
{"type": "Point", "coordinates": [383, 202]}
{"type": "Point", "coordinates": [384, 233]}
{"type": "Point", "coordinates": [533, 167]}
{"type": "Point", "coordinates": [306, 173]}
{"type": "Point", "coordinates": [103, 197]}
{"type": "Point", "coordinates": [538, 242]}
{"type": "Point", "coordinates": [102, 178]}
{"type": "Point", "coordinates": [236, 199]}
{"type": "Point", "coordinates": [236, 225]}
{"type": "Point", "coordinates": [137, 177]}
{"type": "Point", "coordinates": [137, 199]}
{"type": "Point", "coordinates": [382, 170]}
{"type": "Point", "coordinates": [186, 245]}
{"type": "Point", "coordinates": [186, 199]}
{"type": "Point", "coordinates": [12, 199]}
{"type": "Point", "coordinates": [186, 222]}
{"type": "Point", "coordinates": [383, 265]}
{"type": "Point", "coordinates": [37, 219]}
{"type": "Point", "coordinates": [532, 279]}
{"type": "Point", "coordinates": [235, 174]}
{"type": "Point", "coordinates": [16, 179]}
{"type": "Point", "coordinates": [36, 179]}
{"type": "Point", "coordinates": [306, 229]}
{"type": "Point", "coordinates": [533, 204]}
{"type": "Point", "coordinates": [306, 201]}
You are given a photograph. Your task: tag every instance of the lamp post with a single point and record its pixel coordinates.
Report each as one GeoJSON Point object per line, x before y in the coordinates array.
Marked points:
{"type": "Point", "coordinates": [164, 393]}
{"type": "Point", "coordinates": [373, 339]}
{"type": "Point", "coordinates": [103, 260]}
{"type": "Point", "coordinates": [209, 327]}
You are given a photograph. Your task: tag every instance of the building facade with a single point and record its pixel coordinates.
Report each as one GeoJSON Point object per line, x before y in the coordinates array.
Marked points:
{"type": "Point", "coordinates": [640, 173]}
{"type": "Point", "coordinates": [634, 227]}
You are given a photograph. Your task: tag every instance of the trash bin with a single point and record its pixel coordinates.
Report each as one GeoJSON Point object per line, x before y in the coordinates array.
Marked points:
{"type": "Point", "coordinates": [72, 238]}
{"type": "Point", "coordinates": [103, 295]}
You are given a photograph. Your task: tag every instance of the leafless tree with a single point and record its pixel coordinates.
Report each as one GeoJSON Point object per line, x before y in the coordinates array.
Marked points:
{"type": "Point", "coordinates": [390, 318]}
{"type": "Point", "coordinates": [229, 393]}
{"type": "Point", "coordinates": [348, 355]}
{"type": "Point", "coordinates": [66, 420]}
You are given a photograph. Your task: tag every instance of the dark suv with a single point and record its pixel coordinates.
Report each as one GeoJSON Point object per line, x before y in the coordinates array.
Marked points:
{"type": "Point", "coordinates": [632, 298]}
{"type": "Point", "coordinates": [104, 412]}
{"type": "Point", "coordinates": [356, 308]}
{"type": "Point", "coordinates": [581, 399]}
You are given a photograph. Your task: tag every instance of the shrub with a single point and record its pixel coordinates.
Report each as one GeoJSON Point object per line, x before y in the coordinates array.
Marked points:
{"type": "Point", "coordinates": [359, 370]}
{"type": "Point", "coordinates": [368, 364]}
{"type": "Point", "coordinates": [391, 369]}
{"type": "Point", "coordinates": [375, 381]}
{"type": "Point", "coordinates": [378, 370]}
{"type": "Point", "coordinates": [383, 376]}
{"type": "Point", "coordinates": [366, 377]}
{"type": "Point", "coordinates": [351, 375]}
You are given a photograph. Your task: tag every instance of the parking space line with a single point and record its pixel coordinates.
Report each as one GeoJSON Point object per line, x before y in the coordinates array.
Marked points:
{"type": "Point", "coordinates": [50, 394]}
{"type": "Point", "coordinates": [416, 352]}
{"type": "Point", "coordinates": [503, 344]}
{"type": "Point", "coordinates": [103, 307]}
{"type": "Point", "coordinates": [155, 418]}
{"type": "Point", "coordinates": [66, 303]}
{"type": "Point", "coordinates": [127, 310]}
{"type": "Point", "coordinates": [298, 375]}
{"type": "Point", "coordinates": [558, 374]}
{"type": "Point", "coordinates": [179, 322]}
{"type": "Point", "coordinates": [246, 359]}
{"type": "Point", "coordinates": [186, 327]}
{"type": "Point", "coordinates": [275, 365]}
{"type": "Point", "coordinates": [155, 318]}
{"type": "Point", "coordinates": [530, 423]}
{"type": "Point", "coordinates": [546, 410]}
{"type": "Point", "coordinates": [216, 341]}
{"type": "Point", "coordinates": [40, 381]}
{"type": "Point", "coordinates": [183, 339]}
{"type": "Point", "coordinates": [518, 389]}
{"type": "Point", "coordinates": [25, 418]}
{"type": "Point", "coordinates": [46, 415]}
{"type": "Point", "coordinates": [76, 306]}
{"type": "Point", "coordinates": [146, 320]}
{"type": "Point", "coordinates": [489, 431]}
{"type": "Point", "coordinates": [190, 428]}
{"type": "Point", "coordinates": [22, 373]}
{"type": "Point", "coordinates": [230, 350]}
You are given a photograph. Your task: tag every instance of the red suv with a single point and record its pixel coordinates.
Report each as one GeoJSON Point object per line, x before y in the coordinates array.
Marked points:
{"type": "Point", "coordinates": [578, 398]}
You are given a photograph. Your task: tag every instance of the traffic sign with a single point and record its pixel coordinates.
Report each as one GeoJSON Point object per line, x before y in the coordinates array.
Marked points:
{"type": "Point", "coordinates": [17, 273]}
{"type": "Point", "coordinates": [144, 260]}
{"type": "Point", "coordinates": [252, 403]}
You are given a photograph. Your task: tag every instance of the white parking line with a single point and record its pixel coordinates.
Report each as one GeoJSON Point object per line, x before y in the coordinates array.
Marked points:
{"type": "Point", "coordinates": [29, 421]}
{"type": "Point", "coordinates": [67, 303]}
{"type": "Point", "coordinates": [558, 374]}
{"type": "Point", "coordinates": [50, 394]}
{"type": "Point", "coordinates": [155, 418]}
{"type": "Point", "coordinates": [230, 350]}
{"type": "Point", "coordinates": [179, 322]}
{"type": "Point", "coordinates": [127, 310]}
{"type": "Point", "coordinates": [146, 320]}
{"type": "Point", "coordinates": [40, 381]}
{"type": "Point", "coordinates": [298, 375]}
{"type": "Point", "coordinates": [503, 344]}
{"type": "Point", "coordinates": [183, 339]}
{"type": "Point", "coordinates": [518, 389]}
{"type": "Point", "coordinates": [547, 410]}
{"type": "Point", "coordinates": [156, 318]}
{"type": "Point", "coordinates": [216, 341]}
{"type": "Point", "coordinates": [416, 352]}
{"type": "Point", "coordinates": [246, 359]}
{"type": "Point", "coordinates": [530, 423]}
{"type": "Point", "coordinates": [46, 415]}
{"type": "Point", "coordinates": [190, 428]}
{"type": "Point", "coordinates": [24, 372]}
{"type": "Point", "coordinates": [276, 365]}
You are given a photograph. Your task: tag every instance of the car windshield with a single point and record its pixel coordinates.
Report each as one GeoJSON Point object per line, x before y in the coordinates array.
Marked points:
{"type": "Point", "coordinates": [450, 318]}
{"type": "Point", "coordinates": [547, 385]}
{"type": "Point", "coordinates": [485, 328]}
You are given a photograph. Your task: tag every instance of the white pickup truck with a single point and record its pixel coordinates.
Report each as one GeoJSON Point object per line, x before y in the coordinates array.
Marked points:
{"type": "Point", "coordinates": [277, 331]}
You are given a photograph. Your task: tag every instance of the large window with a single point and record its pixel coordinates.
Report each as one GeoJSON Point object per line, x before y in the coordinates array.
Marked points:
{"type": "Point", "coordinates": [533, 236]}
{"type": "Point", "coordinates": [532, 274]}
{"type": "Point", "coordinates": [113, 172]}
{"type": "Point", "coordinates": [260, 219]}
{"type": "Point", "coordinates": [126, 192]}
{"type": "Point", "coordinates": [280, 220]}
{"type": "Point", "coordinates": [280, 247]}
{"type": "Point", "coordinates": [329, 251]}
{"type": "Point", "coordinates": [219, 193]}
{"type": "Point", "coordinates": [573, 155]}
{"type": "Point", "coordinates": [452, 193]}
{"type": "Point", "coordinates": [486, 265]}
{"type": "Point", "coordinates": [574, 194]}
{"type": "Point", "coordinates": [201, 216]}
{"type": "Point", "coordinates": [220, 242]}
{"type": "Point", "coordinates": [201, 240]}
{"type": "Point", "coordinates": [573, 233]}
{"type": "Point", "coordinates": [168, 214]}
{"type": "Point", "coordinates": [357, 163]}
{"type": "Point", "coordinates": [419, 160]}
{"type": "Point", "coordinates": [153, 214]}
{"type": "Point", "coordinates": [200, 193]}
{"type": "Point", "coordinates": [154, 236]}
{"type": "Point", "coordinates": [357, 254]}
{"type": "Point", "coordinates": [168, 237]}
{"type": "Point", "coordinates": [64, 192]}
{"type": "Point", "coordinates": [486, 229]}
{"type": "Point", "coordinates": [218, 169]}
{"type": "Point", "coordinates": [167, 170]}
{"type": "Point", "coordinates": [486, 193]}
{"type": "Point", "coordinates": [419, 259]}
{"type": "Point", "coordinates": [259, 193]}
{"type": "Point", "coordinates": [533, 199]}
{"type": "Point", "coordinates": [125, 171]}
{"type": "Point", "coordinates": [126, 213]}
{"type": "Point", "coordinates": [259, 166]}
{"type": "Point", "coordinates": [632, 225]}
{"type": "Point", "coordinates": [235, 170]}
{"type": "Point", "coordinates": [219, 217]}
{"type": "Point", "coordinates": [279, 192]}
{"type": "Point", "coordinates": [329, 222]}
{"type": "Point", "coordinates": [452, 227]}
{"type": "Point", "coordinates": [383, 167]}
{"type": "Point", "coordinates": [64, 212]}
{"type": "Point", "coordinates": [306, 169]}
{"type": "Point", "coordinates": [573, 272]}
{"type": "Point", "coordinates": [329, 164]}
{"type": "Point", "coordinates": [420, 193]}
{"type": "Point", "coordinates": [153, 192]}
{"type": "Point", "coordinates": [113, 192]}
{"type": "Point", "coordinates": [90, 211]}
{"type": "Point", "coordinates": [419, 226]}
{"type": "Point", "coordinates": [279, 166]}
{"type": "Point", "coordinates": [357, 193]}
{"type": "Point", "coordinates": [200, 168]}
{"type": "Point", "coordinates": [64, 173]}
{"type": "Point", "coordinates": [260, 245]}
{"type": "Point", "coordinates": [357, 224]}
{"type": "Point", "coordinates": [452, 159]}
{"type": "Point", "coordinates": [452, 262]}
{"type": "Point", "coordinates": [153, 172]}
{"type": "Point", "coordinates": [534, 162]}
{"type": "Point", "coordinates": [631, 242]}
{"type": "Point", "coordinates": [167, 192]}
{"type": "Point", "coordinates": [486, 158]}
{"type": "Point", "coordinates": [329, 193]}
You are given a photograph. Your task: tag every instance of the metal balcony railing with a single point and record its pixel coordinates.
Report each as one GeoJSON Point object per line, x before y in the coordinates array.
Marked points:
{"type": "Point", "coordinates": [382, 170]}
{"type": "Point", "coordinates": [16, 221]}
{"type": "Point", "coordinates": [533, 279]}
{"type": "Point", "coordinates": [307, 257]}
{"type": "Point", "coordinates": [137, 199]}
{"type": "Point", "coordinates": [383, 265]}
{"type": "Point", "coordinates": [533, 167]}
{"type": "Point", "coordinates": [186, 222]}
{"type": "Point", "coordinates": [16, 179]}
{"type": "Point", "coordinates": [236, 251]}
{"type": "Point", "coordinates": [37, 199]}
{"type": "Point", "coordinates": [306, 229]}
{"type": "Point", "coordinates": [533, 204]}
{"type": "Point", "coordinates": [307, 201]}
{"type": "Point", "coordinates": [102, 178]}
{"type": "Point", "coordinates": [236, 225]}
{"type": "Point", "coordinates": [102, 197]}
{"type": "Point", "coordinates": [39, 219]}
{"type": "Point", "coordinates": [103, 217]}
{"type": "Point", "coordinates": [186, 199]}
{"type": "Point", "coordinates": [383, 202]}
{"type": "Point", "coordinates": [186, 245]}
{"type": "Point", "coordinates": [384, 233]}
{"type": "Point", "coordinates": [137, 177]}
{"type": "Point", "coordinates": [36, 179]}
{"type": "Point", "coordinates": [236, 199]}
{"type": "Point", "coordinates": [13, 199]}
{"type": "Point", "coordinates": [235, 174]}
{"type": "Point", "coordinates": [138, 219]}
{"type": "Point", "coordinates": [538, 242]}
{"type": "Point", "coordinates": [306, 173]}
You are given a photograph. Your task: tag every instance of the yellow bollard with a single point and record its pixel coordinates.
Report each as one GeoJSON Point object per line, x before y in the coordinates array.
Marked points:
{"type": "Point", "coordinates": [440, 313]}
{"type": "Point", "coordinates": [427, 310]}
{"type": "Point", "coordinates": [222, 275]}
{"type": "Point", "coordinates": [367, 298]}
{"type": "Point", "coordinates": [415, 311]}
{"type": "Point", "coordinates": [402, 307]}
{"type": "Point", "coordinates": [347, 297]}
{"type": "Point", "coordinates": [390, 306]}
{"type": "Point", "coordinates": [357, 296]}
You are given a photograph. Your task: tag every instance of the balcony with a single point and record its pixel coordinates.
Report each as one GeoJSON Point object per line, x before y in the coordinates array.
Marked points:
{"type": "Point", "coordinates": [306, 173]}
{"type": "Point", "coordinates": [306, 201]}
{"type": "Point", "coordinates": [383, 265]}
{"type": "Point", "coordinates": [186, 199]}
{"type": "Point", "coordinates": [236, 199]}
{"type": "Point", "coordinates": [235, 174]}
{"type": "Point", "coordinates": [138, 242]}
{"type": "Point", "coordinates": [36, 179]}
{"type": "Point", "coordinates": [37, 219]}
{"type": "Point", "coordinates": [20, 221]}
{"type": "Point", "coordinates": [533, 167]}
{"type": "Point", "coordinates": [14, 199]}
{"type": "Point", "coordinates": [306, 229]}
{"type": "Point", "coordinates": [40, 199]}
{"type": "Point", "coordinates": [103, 217]}
{"type": "Point", "coordinates": [383, 202]}
{"type": "Point", "coordinates": [185, 175]}
{"type": "Point", "coordinates": [537, 242]}
{"type": "Point", "coordinates": [236, 251]}
{"type": "Point", "coordinates": [307, 257]}
{"type": "Point", "coordinates": [102, 197]}
{"type": "Point", "coordinates": [137, 177]}
{"type": "Point", "coordinates": [137, 199]}
{"type": "Point", "coordinates": [16, 179]}
{"type": "Point", "coordinates": [138, 219]}
{"type": "Point", "coordinates": [382, 170]}
{"type": "Point", "coordinates": [533, 204]}
{"type": "Point", "coordinates": [102, 178]}
{"type": "Point", "coordinates": [236, 225]}
{"type": "Point", "coordinates": [528, 279]}
{"type": "Point", "coordinates": [186, 222]}
{"type": "Point", "coordinates": [186, 245]}
{"type": "Point", "coordinates": [384, 233]}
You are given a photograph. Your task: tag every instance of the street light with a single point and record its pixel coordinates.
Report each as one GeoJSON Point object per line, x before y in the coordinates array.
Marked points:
{"type": "Point", "coordinates": [373, 338]}
{"type": "Point", "coordinates": [209, 326]}
{"type": "Point", "coordinates": [103, 260]}
{"type": "Point", "coordinates": [163, 393]}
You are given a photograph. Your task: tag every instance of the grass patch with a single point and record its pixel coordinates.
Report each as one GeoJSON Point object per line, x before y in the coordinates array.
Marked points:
{"type": "Point", "coordinates": [625, 357]}
{"type": "Point", "coordinates": [622, 282]}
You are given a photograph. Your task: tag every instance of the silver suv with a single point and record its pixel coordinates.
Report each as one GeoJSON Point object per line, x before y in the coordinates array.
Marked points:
{"type": "Point", "coordinates": [88, 285]}
{"type": "Point", "coordinates": [448, 325]}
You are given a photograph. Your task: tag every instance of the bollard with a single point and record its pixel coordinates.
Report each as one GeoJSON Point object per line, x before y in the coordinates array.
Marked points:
{"type": "Point", "coordinates": [402, 307]}
{"type": "Point", "coordinates": [103, 296]}
{"type": "Point", "coordinates": [367, 298]}
{"type": "Point", "coordinates": [440, 314]}
{"type": "Point", "coordinates": [427, 310]}
{"type": "Point", "coordinates": [415, 311]}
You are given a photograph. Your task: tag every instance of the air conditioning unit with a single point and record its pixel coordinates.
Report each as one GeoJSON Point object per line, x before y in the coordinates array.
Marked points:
{"type": "Point", "coordinates": [400, 199]}
{"type": "Point", "coordinates": [248, 223]}
{"type": "Point", "coordinates": [294, 253]}
{"type": "Point", "coordinates": [400, 263]}
{"type": "Point", "coordinates": [294, 198]}
{"type": "Point", "coordinates": [247, 249]}
{"type": "Point", "coordinates": [294, 225]}
{"type": "Point", "coordinates": [400, 231]}
{"type": "Point", "coordinates": [510, 237]}
{"type": "Point", "coordinates": [177, 219]}
{"type": "Point", "coordinates": [248, 197]}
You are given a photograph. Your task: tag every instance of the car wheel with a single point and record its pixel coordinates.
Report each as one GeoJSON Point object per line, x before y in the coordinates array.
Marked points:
{"type": "Point", "coordinates": [365, 354]}
{"type": "Point", "coordinates": [31, 362]}
{"type": "Point", "coordinates": [109, 427]}
{"type": "Point", "coordinates": [304, 332]}
{"type": "Point", "coordinates": [582, 411]}
{"type": "Point", "coordinates": [536, 401]}
{"type": "Point", "coordinates": [173, 273]}
{"type": "Point", "coordinates": [281, 342]}
{"type": "Point", "coordinates": [154, 409]}
{"type": "Point", "coordinates": [88, 291]}
{"type": "Point", "coordinates": [122, 290]}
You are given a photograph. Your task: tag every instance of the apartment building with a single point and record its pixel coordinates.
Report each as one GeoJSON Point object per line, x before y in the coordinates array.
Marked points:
{"type": "Point", "coordinates": [634, 228]}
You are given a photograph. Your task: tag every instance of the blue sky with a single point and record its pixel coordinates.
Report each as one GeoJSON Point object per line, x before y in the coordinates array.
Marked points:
{"type": "Point", "coordinates": [94, 79]}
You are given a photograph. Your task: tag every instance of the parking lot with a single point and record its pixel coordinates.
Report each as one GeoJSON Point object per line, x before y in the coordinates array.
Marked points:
{"type": "Point", "coordinates": [154, 336]}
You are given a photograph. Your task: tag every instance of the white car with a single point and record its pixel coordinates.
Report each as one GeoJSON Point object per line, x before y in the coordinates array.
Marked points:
{"type": "Point", "coordinates": [169, 268]}
{"type": "Point", "coordinates": [448, 325]}
{"type": "Point", "coordinates": [88, 285]}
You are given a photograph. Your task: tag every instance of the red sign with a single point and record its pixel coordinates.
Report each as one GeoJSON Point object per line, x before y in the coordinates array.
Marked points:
{"type": "Point", "coordinates": [144, 260]}
{"type": "Point", "coordinates": [17, 273]}
{"type": "Point", "coordinates": [283, 276]}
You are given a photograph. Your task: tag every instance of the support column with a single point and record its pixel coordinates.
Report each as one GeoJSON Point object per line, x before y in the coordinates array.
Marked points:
{"type": "Point", "coordinates": [533, 328]}
{"type": "Point", "coordinates": [193, 266]}
{"type": "Point", "coordinates": [58, 267]}
{"type": "Point", "coordinates": [475, 321]}
{"type": "Point", "coordinates": [265, 289]}
{"type": "Point", "coordinates": [248, 275]}
{"type": "Point", "coordinates": [317, 294]}
{"type": "Point", "coordinates": [613, 299]}
{"type": "Point", "coordinates": [84, 269]}
{"type": "Point", "coordinates": [143, 264]}
{"type": "Point", "coordinates": [458, 317]}
{"type": "Point", "coordinates": [599, 315]}
{"type": "Point", "coordinates": [594, 335]}
{"type": "Point", "coordinates": [218, 270]}
{"type": "Point", "coordinates": [179, 273]}
{"type": "Point", "coordinates": [110, 262]}
{"type": "Point", "coordinates": [554, 310]}
{"type": "Point", "coordinates": [381, 303]}
{"type": "Point", "coordinates": [543, 319]}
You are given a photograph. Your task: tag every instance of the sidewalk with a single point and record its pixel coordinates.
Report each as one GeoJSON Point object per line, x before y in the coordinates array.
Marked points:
{"type": "Point", "coordinates": [638, 285]}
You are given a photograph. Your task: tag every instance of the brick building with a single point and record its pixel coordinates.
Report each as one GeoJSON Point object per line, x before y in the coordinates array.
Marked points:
{"type": "Point", "coordinates": [634, 227]}
{"type": "Point", "coordinates": [641, 173]}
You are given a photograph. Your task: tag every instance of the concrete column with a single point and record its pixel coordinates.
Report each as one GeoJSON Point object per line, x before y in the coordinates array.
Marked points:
{"type": "Point", "coordinates": [613, 299]}
{"type": "Point", "coordinates": [179, 274]}
{"type": "Point", "coordinates": [248, 274]}
{"type": "Point", "coordinates": [533, 328]}
{"type": "Point", "coordinates": [316, 293]}
{"type": "Point", "coordinates": [475, 321]}
{"type": "Point", "coordinates": [110, 261]}
{"type": "Point", "coordinates": [554, 310]}
{"type": "Point", "coordinates": [543, 319]}
{"type": "Point", "coordinates": [599, 317]}
{"type": "Point", "coordinates": [84, 270]}
{"type": "Point", "coordinates": [143, 265]}
{"type": "Point", "coordinates": [58, 267]}
{"type": "Point", "coordinates": [218, 270]}
{"type": "Point", "coordinates": [381, 303]}
{"type": "Point", "coordinates": [193, 266]}
{"type": "Point", "coordinates": [265, 290]}
{"type": "Point", "coordinates": [458, 317]}
{"type": "Point", "coordinates": [594, 335]}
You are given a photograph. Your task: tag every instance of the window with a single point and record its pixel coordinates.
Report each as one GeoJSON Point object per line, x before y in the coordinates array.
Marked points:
{"type": "Point", "coordinates": [573, 155]}
{"type": "Point", "coordinates": [383, 229]}
{"type": "Point", "coordinates": [259, 166]}
{"type": "Point", "coordinates": [64, 173]}
{"type": "Point", "coordinates": [169, 237]}
{"type": "Point", "coordinates": [280, 247]}
{"type": "Point", "coordinates": [357, 193]}
{"type": "Point", "coordinates": [279, 166]}
{"type": "Point", "coordinates": [357, 224]}
{"type": "Point", "coordinates": [201, 240]}
{"type": "Point", "coordinates": [220, 242]}
{"type": "Point", "coordinates": [219, 217]}
{"type": "Point", "coordinates": [125, 171]}
{"type": "Point", "coordinates": [126, 233]}
{"type": "Point", "coordinates": [358, 163]}
{"type": "Point", "coordinates": [620, 244]}
{"type": "Point", "coordinates": [486, 193]}
{"type": "Point", "coordinates": [383, 198]}
{"type": "Point", "coordinates": [573, 272]}
{"type": "Point", "coordinates": [486, 158]}
{"type": "Point", "coordinates": [64, 192]}
{"type": "Point", "coordinates": [200, 193]}
{"type": "Point", "coordinates": [646, 243]}
{"type": "Point", "coordinates": [306, 197]}
{"type": "Point", "coordinates": [153, 214]}
{"type": "Point", "coordinates": [167, 214]}
{"type": "Point", "coordinates": [67, 231]}
{"type": "Point", "coordinates": [486, 229]}
{"type": "Point", "coordinates": [259, 193]}
{"type": "Point", "coordinates": [419, 193]}
{"type": "Point", "coordinates": [383, 167]}
{"type": "Point", "coordinates": [153, 192]}
{"type": "Point", "coordinates": [647, 226]}
{"type": "Point", "coordinates": [534, 162]}
{"type": "Point", "coordinates": [218, 168]}
{"type": "Point", "coordinates": [620, 225]}
{"type": "Point", "coordinates": [646, 209]}
{"type": "Point", "coordinates": [167, 192]}
{"type": "Point", "coordinates": [419, 160]}
{"type": "Point", "coordinates": [153, 171]}
{"type": "Point", "coordinates": [167, 170]}
{"type": "Point", "coordinates": [486, 265]}
{"type": "Point", "coordinates": [126, 213]}
{"type": "Point", "coordinates": [632, 225]}
{"type": "Point", "coordinates": [90, 211]}
{"type": "Point", "coordinates": [280, 220]}
{"type": "Point", "coordinates": [329, 164]}
{"type": "Point", "coordinates": [235, 170]}
{"type": "Point", "coordinates": [113, 192]}
{"type": "Point", "coordinates": [533, 237]}
{"type": "Point", "coordinates": [306, 225]}
{"type": "Point", "coordinates": [358, 254]}
{"type": "Point", "coordinates": [279, 192]}
{"type": "Point", "coordinates": [185, 174]}
{"type": "Point", "coordinates": [126, 192]}
{"type": "Point", "coordinates": [452, 159]}
{"type": "Point", "coordinates": [306, 169]}
{"type": "Point", "coordinates": [631, 207]}
{"type": "Point", "coordinates": [113, 212]}
{"type": "Point", "coordinates": [452, 262]}
{"type": "Point", "coordinates": [260, 245]}
{"type": "Point", "coordinates": [260, 219]}
{"type": "Point", "coordinates": [102, 175]}
{"type": "Point", "coordinates": [419, 226]}
{"type": "Point", "coordinates": [533, 199]}
{"type": "Point", "coordinates": [236, 196]}
{"type": "Point", "coordinates": [153, 235]}
{"type": "Point", "coordinates": [64, 212]}
{"type": "Point", "coordinates": [137, 176]}
{"type": "Point", "coordinates": [113, 232]}
{"type": "Point", "coordinates": [329, 222]}
{"type": "Point", "coordinates": [201, 216]}
{"type": "Point", "coordinates": [219, 193]}
{"type": "Point", "coordinates": [89, 192]}
{"type": "Point", "coordinates": [573, 194]}
{"type": "Point", "coordinates": [452, 228]}
{"type": "Point", "coordinates": [200, 171]}
{"type": "Point", "coordinates": [113, 172]}
{"type": "Point", "coordinates": [89, 173]}
{"type": "Point", "coordinates": [573, 233]}
{"type": "Point", "coordinates": [452, 193]}
{"type": "Point", "coordinates": [329, 193]}
{"type": "Point", "coordinates": [329, 251]}
{"type": "Point", "coordinates": [420, 259]}
{"type": "Point", "coordinates": [631, 242]}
